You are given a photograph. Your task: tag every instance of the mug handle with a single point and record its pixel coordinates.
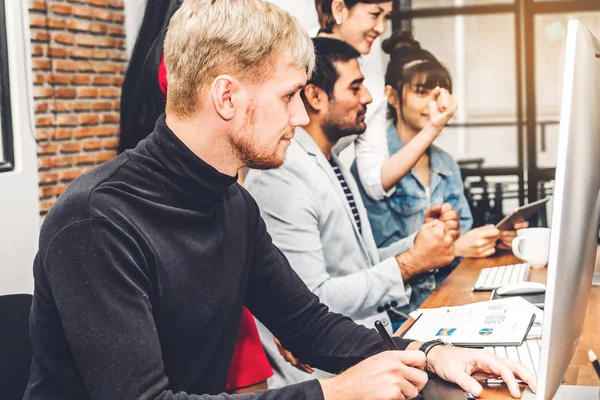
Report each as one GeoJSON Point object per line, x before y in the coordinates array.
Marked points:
{"type": "Point", "coordinates": [515, 246]}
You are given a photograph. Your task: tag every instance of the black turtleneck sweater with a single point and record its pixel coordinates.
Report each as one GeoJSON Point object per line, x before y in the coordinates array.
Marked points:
{"type": "Point", "coordinates": [143, 267]}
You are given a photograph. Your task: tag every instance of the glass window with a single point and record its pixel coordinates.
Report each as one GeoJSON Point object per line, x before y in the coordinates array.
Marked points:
{"type": "Point", "coordinates": [6, 150]}
{"type": "Point", "coordinates": [420, 4]}
{"type": "Point", "coordinates": [550, 35]}
{"type": "Point", "coordinates": [479, 51]}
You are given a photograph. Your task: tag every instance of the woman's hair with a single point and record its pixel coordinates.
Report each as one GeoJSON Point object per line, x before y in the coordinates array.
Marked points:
{"type": "Point", "coordinates": [326, 14]}
{"type": "Point", "coordinates": [142, 101]}
{"type": "Point", "coordinates": [409, 64]}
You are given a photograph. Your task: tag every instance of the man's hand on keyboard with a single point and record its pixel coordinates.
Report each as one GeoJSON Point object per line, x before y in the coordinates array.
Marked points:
{"type": "Point", "coordinates": [466, 367]}
{"type": "Point", "coordinates": [507, 237]}
{"type": "Point", "coordinates": [478, 242]}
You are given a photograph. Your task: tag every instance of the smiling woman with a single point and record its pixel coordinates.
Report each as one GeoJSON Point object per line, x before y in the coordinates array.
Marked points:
{"type": "Point", "coordinates": [6, 146]}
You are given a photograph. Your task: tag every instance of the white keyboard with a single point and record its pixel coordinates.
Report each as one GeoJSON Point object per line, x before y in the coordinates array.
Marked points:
{"type": "Point", "coordinates": [527, 354]}
{"type": "Point", "coordinates": [494, 277]}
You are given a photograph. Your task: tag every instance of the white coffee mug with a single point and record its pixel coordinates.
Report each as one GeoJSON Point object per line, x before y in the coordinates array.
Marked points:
{"type": "Point", "coordinates": [532, 245]}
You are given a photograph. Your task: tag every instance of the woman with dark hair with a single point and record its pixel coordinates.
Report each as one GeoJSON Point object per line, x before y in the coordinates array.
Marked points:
{"type": "Point", "coordinates": [412, 79]}
{"type": "Point", "coordinates": [360, 23]}
{"type": "Point", "coordinates": [142, 102]}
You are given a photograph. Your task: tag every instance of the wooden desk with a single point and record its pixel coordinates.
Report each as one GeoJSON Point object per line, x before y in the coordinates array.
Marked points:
{"type": "Point", "coordinates": [456, 291]}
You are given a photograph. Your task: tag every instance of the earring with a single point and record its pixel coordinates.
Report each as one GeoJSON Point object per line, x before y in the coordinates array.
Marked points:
{"type": "Point", "coordinates": [337, 21]}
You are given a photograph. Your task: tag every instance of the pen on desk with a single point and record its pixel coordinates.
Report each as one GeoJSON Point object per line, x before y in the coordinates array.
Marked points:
{"type": "Point", "coordinates": [385, 336]}
{"type": "Point", "coordinates": [594, 361]}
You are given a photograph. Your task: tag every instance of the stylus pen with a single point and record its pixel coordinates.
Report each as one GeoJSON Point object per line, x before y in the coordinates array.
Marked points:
{"type": "Point", "coordinates": [385, 336]}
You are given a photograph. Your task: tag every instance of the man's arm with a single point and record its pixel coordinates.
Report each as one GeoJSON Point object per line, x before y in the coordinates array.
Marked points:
{"type": "Point", "coordinates": [97, 277]}
{"type": "Point", "coordinates": [292, 215]}
{"type": "Point", "coordinates": [277, 296]}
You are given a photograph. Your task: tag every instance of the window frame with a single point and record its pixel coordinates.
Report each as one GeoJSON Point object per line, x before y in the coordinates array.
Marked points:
{"type": "Point", "coordinates": [7, 162]}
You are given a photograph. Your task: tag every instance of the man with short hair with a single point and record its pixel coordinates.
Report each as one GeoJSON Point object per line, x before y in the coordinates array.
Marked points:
{"type": "Point", "coordinates": [144, 263]}
{"type": "Point", "coordinates": [314, 212]}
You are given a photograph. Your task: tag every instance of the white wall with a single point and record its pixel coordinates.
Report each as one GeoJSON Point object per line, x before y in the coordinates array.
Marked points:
{"type": "Point", "coordinates": [134, 12]}
{"type": "Point", "coordinates": [19, 205]}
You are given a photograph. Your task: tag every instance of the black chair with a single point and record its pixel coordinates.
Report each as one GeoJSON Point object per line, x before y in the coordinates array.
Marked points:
{"type": "Point", "coordinates": [15, 348]}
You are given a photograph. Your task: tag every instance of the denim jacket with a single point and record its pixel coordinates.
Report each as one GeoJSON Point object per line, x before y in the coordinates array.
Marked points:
{"type": "Point", "coordinates": [403, 213]}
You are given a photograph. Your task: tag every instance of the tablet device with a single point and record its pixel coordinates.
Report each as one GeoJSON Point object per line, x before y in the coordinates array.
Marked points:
{"type": "Point", "coordinates": [521, 214]}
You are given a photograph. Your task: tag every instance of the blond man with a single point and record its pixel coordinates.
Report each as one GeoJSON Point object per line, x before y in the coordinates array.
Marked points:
{"type": "Point", "coordinates": [144, 263]}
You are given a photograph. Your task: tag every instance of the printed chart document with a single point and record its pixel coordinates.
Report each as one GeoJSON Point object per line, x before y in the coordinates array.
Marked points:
{"type": "Point", "coordinates": [472, 327]}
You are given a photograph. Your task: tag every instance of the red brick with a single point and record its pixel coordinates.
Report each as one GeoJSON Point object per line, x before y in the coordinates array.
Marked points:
{"type": "Point", "coordinates": [100, 54]}
{"type": "Point", "coordinates": [110, 118]}
{"type": "Point", "coordinates": [87, 40]}
{"type": "Point", "coordinates": [81, 79]}
{"type": "Point", "coordinates": [80, 133]}
{"type": "Point", "coordinates": [118, 80]}
{"type": "Point", "coordinates": [39, 79]}
{"type": "Point", "coordinates": [48, 178]}
{"type": "Point", "coordinates": [110, 144]}
{"type": "Point", "coordinates": [85, 66]}
{"type": "Point", "coordinates": [91, 145]}
{"type": "Point", "coordinates": [102, 106]}
{"type": "Point", "coordinates": [77, 25]}
{"type": "Point", "coordinates": [65, 93]}
{"type": "Point", "coordinates": [41, 107]}
{"type": "Point", "coordinates": [66, 66]}
{"type": "Point", "coordinates": [116, 30]}
{"type": "Point", "coordinates": [42, 64]}
{"type": "Point", "coordinates": [56, 23]}
{"type": "Point", "coordinates": [45, 163]}
{"type": "Point", "coordinates": [47, 192]}
{"type": "Point", "coordinates": [64, 161]}
{"type": "Point", "coordinates": [116, 106]}
{"type": "Point", "coordinates": [60, 189]}
{"type": "Point", "coordinates": [107, 42]}
{"type": "Point", "coordinates": [47, 148]}
{"type": "Point", "coordinates": [42, 92]}
{"type": "Point", "coordinates": [98, 3]}
{"type": "Point", "coordinates": [82, 106]}
{"type": "Point", "coordinates": [120, 17]}
{"type": "Point", "coordinates": [61, 106]}
{"type": "Point", "coordinates": [38, 21]}
{"type": "Point", "coordinates": [117, 55]}
{"type": "Point", "coordinates": [103, 15]}
{"type": "Point", "coordinates": [38, 6]}
{"type": "Point", "coordinates": [40, 36]}
{"type": "Point", "coordinates": [66, 120]}
{"type": "Point", "coordinates": [56, 52]}
{"type": "Point", "coordinates": [63, 9]}
{"type": "Point", "coordinates": [70, 147]}
{"type": "Point", "coordinates": [110, 93]}
{"type": "Point", "coordinates": [102, 131]}
{"type": "Point", "coordinates": [89, 119]}
{"type": "Point", "coordinates": [98, 28]}
{"type": "Point", "coordinates": [59, 79]}
{"type": "Point", "coordinates": [116, 4]}
{"type": "Point", "coordinates": [103, 80]}
{"type": "Point", "coordinates": [63, 134]}
{"type": "Point", "coordinates": [64, 38]}
{"type": "Point", "coordinates": [37, 51]}
{"type": "Point", "coordinates": [68, 176]}
{"type": "Point", "coordinates": [87, 92]}
{"type": "Point", "coordinates": [44, 121]}
{"type": "Point", "coordinates": [105, 156]}
{"type": "Point", "coordinates": [81, 53]}
{"type": "Point", "coordinates": [46, 205]}
{"type": "Point", "coordinates": [85, 159]}
{"type": "Point", "coordinates": [83, 12]}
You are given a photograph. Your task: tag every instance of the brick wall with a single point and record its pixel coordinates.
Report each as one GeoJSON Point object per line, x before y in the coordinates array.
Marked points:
{"type": "Point", "coordinates": [78, 58]}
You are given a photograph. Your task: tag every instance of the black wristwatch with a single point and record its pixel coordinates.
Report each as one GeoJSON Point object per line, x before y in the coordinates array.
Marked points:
{"type": "Point", "coordinates": [427, 346]}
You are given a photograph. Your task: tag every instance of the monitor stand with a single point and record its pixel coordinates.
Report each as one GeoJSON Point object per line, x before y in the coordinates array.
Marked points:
{"type": "Point", "coordinates": [569, 392]}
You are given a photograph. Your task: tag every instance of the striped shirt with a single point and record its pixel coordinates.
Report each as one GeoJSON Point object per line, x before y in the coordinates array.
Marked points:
{"type": "Point", "coordinates": [347, 192]}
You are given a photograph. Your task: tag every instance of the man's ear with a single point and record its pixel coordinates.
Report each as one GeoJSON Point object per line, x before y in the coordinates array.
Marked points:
{"type": "Point", "coordinates": [316, 98]}
{"type": "Point", "coordinates": [221, 93]}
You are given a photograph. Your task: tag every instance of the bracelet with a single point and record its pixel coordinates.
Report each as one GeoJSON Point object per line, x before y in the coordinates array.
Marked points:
{"type": "Point", "coordinates": [427, 346]}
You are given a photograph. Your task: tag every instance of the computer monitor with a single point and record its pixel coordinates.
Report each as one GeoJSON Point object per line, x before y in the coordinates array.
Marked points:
{"type": "Point", "coordinates": [576, 209]}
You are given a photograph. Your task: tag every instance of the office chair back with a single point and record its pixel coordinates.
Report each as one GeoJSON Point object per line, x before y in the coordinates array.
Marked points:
{"type": "Point", "coordinates": [15, 348]}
